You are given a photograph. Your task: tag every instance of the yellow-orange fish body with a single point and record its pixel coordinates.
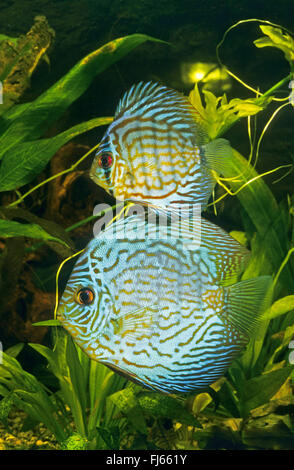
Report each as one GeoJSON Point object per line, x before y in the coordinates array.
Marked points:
{"type": "Point", "coordinates": [157, 152]}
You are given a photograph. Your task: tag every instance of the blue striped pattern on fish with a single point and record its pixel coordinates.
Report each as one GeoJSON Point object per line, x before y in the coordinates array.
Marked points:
{"type": "Point", "coordinates": [156, 150]}
{"type": "Point", "coordinates": [160, 313]}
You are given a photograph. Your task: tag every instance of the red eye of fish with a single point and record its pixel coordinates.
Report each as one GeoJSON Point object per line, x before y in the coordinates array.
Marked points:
{"type": "Point", "coordinates": [85, 296]}
{"type": "Point", "coordinates": [105, 160]}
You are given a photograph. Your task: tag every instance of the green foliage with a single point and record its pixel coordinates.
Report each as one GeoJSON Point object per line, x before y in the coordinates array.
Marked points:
{"type": "Point", "coordinates": [26, 160]}
{"type": "Point", "coordinates": [75, 442]}
{"type": "Point", "coordinates": [22, 151]}
{"type": "Point", "coordinates": [218, 114]}
{"type": "Point", "coordinates": [84, 386]}
{"type": "Point", "coordinates": [276, 38]}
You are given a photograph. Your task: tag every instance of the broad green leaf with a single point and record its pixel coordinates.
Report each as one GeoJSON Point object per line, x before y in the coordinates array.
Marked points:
{"type": "Point", "coordinates": [276, 38]}
{"type": "Point", "coordinates": [164, 406]}
{"type": "Point", "coordinates": [52, 228]}
{"type": "Point", "coordinates": [10, 228]}
{"type": "Point", "coordinates": [38, 116]}
{"type": "Point", "coordinates": [262, 208]}
{"type": "Point", "coordinates": [229, 399]}
{"type": "Point", "coordinates": [267, 219]}
{"type": "Point", "coordinates": [126, 402]}
{"type": "Point", "coordinates": [287, 336]}
{"type": "Point", "coordinates": [3, 37]}
{"type": "Point", "coordinates": [280, 307]}
{"type": "Point", "coordinates": [26, 160]}
{"type": "Point", "coordinates": [260, 390]}
{"type": "Point", "coordinates": [218, 115]}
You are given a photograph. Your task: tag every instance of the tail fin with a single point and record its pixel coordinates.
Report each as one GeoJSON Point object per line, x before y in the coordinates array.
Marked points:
{"type": "Point", "coordinates": [247, 301]}
{"type": "Point", "coordinates": [216, 153]}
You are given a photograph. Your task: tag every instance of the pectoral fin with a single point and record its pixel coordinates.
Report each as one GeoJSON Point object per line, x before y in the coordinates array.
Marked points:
{"type": "Point", "coordinates": [141, 321]}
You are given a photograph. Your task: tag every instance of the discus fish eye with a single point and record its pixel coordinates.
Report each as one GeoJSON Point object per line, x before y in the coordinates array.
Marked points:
{"type": "Point", "coordinates": [105, 160]}
{"type": "Point", "coordinates": [85, 296]}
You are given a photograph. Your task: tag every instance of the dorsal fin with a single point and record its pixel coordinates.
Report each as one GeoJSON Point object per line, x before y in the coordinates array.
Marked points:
{"type": "Point", "coordinates": [141, 91]}
{"type": "Point", "coordinates": [159, 102]}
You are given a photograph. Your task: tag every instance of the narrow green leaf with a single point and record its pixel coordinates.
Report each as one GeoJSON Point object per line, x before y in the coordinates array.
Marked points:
{"type": "Point", "coordinates": [26, 160]}
{"type": "Point", "coordinates": [48, 323]}
{"type": "Point", "coordinates": [52, 228]}
{"type": "Point", "coordinates": [38, 116]}
{"type": "Point", "coordinates": [15, 350]}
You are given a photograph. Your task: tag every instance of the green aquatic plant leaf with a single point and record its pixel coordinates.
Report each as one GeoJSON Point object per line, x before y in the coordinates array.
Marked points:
{"type": "Point", "coordinates": [262, 209]}
{"type": "Point", "coordinates": [259, 390]}
{"type": "Point", "coordinates": [84, 384]}
{"type": "Point", "coordinates": [218, 115]}
{"type": "Point", "coordinates": [275, 37]}
{"type": "Point", "coordinates": [64, 249]}
{"type": "Point", "coordinates": [36, 117]}
{"type": "Point", "coordinates": [280, 307]}
{"type": "Point", "coordinates": [14, 350]}
{"type": "Point", "coordinates": [126, 402]}
{"type": "Point", "coordinates": [47, 323]}
{"type": "Point", "coordinates": [10, 228]}
{"type": "Point", "coordinates": [24, 161]}
{"type": "Point", "coordinates": [164, 406]}
{"type": "Point", "coordinates": [30, 395]}
{"type": "Point", "coordinates": [4, 37]}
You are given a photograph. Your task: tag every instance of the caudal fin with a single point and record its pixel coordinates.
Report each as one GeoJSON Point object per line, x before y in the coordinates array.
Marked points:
{"type": "Point", "coordinates": [216, 153]}
{"type": "Point", "coordinates": [246, 302]}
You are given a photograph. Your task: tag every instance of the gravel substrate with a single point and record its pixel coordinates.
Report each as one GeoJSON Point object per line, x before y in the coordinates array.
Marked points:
{"type": "Point", "coordinates": [13, 438]}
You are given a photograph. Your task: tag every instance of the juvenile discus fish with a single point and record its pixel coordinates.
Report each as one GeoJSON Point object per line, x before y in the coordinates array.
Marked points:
{"type": "Point", "coordinates": [157, 152]}
{"type": "Point", "coordinates": [155, 309]}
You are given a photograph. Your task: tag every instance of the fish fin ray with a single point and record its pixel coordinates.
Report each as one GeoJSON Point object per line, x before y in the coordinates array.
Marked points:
{"type": "Point", "coordinates": [143, 92]}
{"type": "Point", "coordinates": [229, 256]}
{"type": "Point", "coordinates": [138, 322]}
{"type": "Point", "coordinates": [246, 302]}
{"type": "Point", "coordinates": [176, 109]}
{"type": "Point", "coordinates": [216, 152]}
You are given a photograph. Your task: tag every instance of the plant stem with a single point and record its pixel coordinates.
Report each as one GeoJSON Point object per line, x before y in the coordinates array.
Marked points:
{"type": "Point", "coordinates": [15, 203]}
{"type": "Point", "coordinates": [271, 91]}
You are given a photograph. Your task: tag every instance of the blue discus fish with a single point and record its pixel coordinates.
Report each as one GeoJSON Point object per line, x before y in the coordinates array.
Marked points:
{"type": "Point", "coordinates": [157, 152]}
{"type": "Point", "coordinates": [166, 312]}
